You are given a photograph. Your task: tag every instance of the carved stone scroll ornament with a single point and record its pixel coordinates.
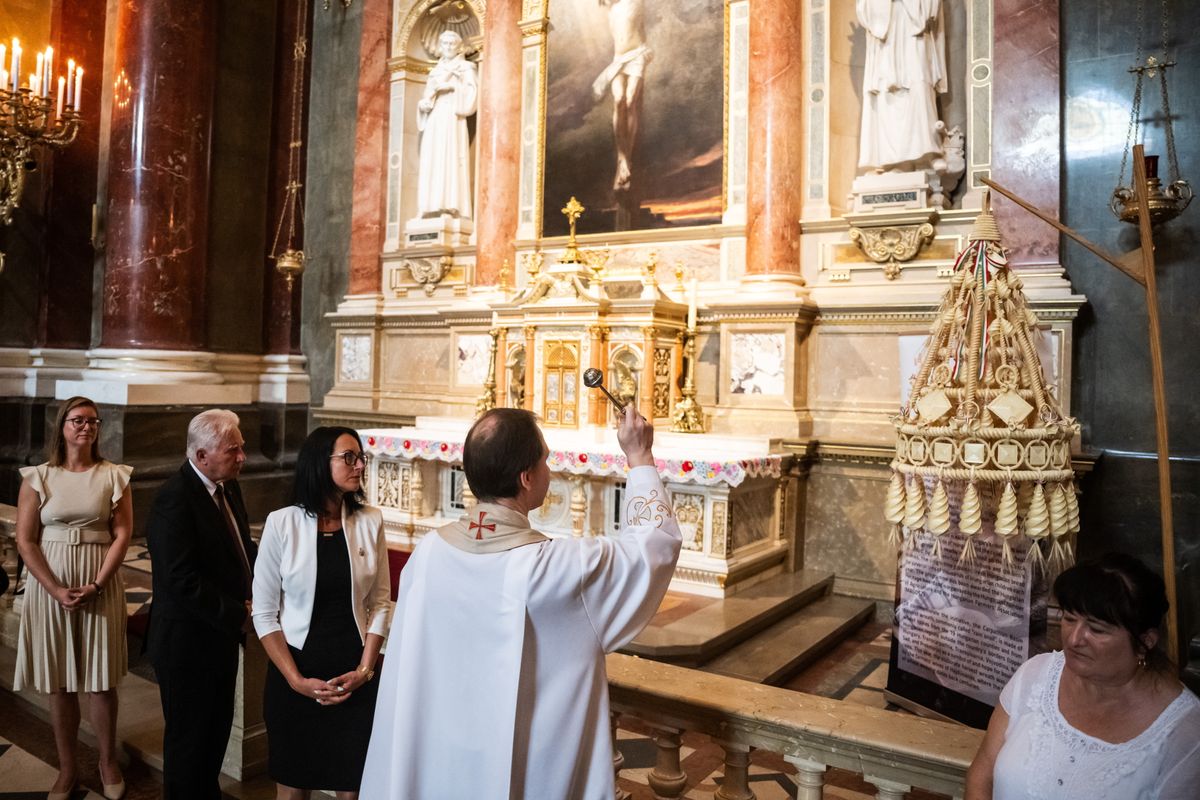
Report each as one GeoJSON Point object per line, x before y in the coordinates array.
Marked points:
{"type": "Point", "coordinates": [429, 271]}
{"type": "Point", "coordinates": [892, 246]}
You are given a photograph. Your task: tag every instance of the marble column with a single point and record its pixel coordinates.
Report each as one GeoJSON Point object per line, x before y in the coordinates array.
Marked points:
{"type": "Point", "coordinates": [370, 151]}
{"type": "Point", "coordinates": [158, 181]}
{"type": "Point", "coordinates": [65, 313]}
{"type": "Point", "coordinates": [776, 139]}
{"type": "Point", "coordinates": [281, 306]}
{"type": "Point", "coordinates": [499, 140]}
{"type": "Point", "coordinates": [1027, 124]}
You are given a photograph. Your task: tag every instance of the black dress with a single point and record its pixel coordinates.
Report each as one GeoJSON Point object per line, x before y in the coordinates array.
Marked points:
{"type": "Point", "coordinates": [311, 746]}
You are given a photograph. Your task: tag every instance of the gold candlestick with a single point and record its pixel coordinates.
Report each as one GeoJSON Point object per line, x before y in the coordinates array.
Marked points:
{"type": "Point", "coordinates": [688, 416]}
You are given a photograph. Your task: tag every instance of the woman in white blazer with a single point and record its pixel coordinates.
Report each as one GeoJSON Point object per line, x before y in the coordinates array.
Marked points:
{"type": "Point", "coordinates": [322, 602]}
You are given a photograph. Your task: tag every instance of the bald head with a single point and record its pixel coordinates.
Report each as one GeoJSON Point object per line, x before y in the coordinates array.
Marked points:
{"type": "Point", "coordinates": [501, 445]}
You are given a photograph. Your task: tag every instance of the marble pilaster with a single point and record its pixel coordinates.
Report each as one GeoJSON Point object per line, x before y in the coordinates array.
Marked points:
{"type": "Point", "coordinates": [1027, 123]}
{"type": "Point", "coordinates": [158, 181]}
{"type": "Point", "coordinates": [499, 140]}
{"type": "Point", "coordinates": [370, 150]}
{"type": "Point", "coordinates": [775, 98]}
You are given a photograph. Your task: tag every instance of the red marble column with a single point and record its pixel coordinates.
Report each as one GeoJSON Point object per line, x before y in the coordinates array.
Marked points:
{"type": "Point", "coordinates": [370, 150]}
{"type": "Point", "coordinates": [1027, 123]}
{"type": "Point", "coordinates": [499, 140]}
{"type": "Point", "coordinates": [281, 307]}
{"type": "Point", "coordinates": [65, 313]}
{"type": "Point", "coordinates": [775, 105]}
{"type": "Point", "coordinates": [164, 71]}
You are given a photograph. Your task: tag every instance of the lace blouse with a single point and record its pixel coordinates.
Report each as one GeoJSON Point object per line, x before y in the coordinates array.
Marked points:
{"type": "Point", "coordinates": [1043, 756]}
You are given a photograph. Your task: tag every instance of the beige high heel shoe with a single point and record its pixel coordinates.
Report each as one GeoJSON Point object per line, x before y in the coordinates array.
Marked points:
{"type": "Point", "coordinates": [113, 791]}
{"type": "Point", "coordinates": [62, 795]}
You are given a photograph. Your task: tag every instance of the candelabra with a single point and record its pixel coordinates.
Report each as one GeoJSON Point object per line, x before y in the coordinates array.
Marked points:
{"type": "Point", "coordinates": [688, 416]}
{"type": "Point", "coordinates": [27, 121]}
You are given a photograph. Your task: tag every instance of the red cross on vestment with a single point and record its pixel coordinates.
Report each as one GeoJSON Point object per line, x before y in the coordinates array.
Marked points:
{"type": "Point", "coordinates": [478, 525]}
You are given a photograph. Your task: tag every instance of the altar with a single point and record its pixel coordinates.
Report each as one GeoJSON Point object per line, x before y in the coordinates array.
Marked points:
{"type": "Point", "coordinates": [729, 494]}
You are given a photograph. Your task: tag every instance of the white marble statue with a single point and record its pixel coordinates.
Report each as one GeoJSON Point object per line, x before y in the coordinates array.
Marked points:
{"type": "Point", "coordinates": [905, 70]}
{"type": "Point", "coordinates": [444, 182]}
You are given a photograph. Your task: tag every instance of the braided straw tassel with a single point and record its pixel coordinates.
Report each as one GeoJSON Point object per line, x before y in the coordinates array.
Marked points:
{"type": "Point", "coordinates": [893, 509]}
{"type": "Point", "coordinates": [970, 522]}
{"type": "Point", "coordinates": [1072, 523]}
{"type": "Point", "coordinates": [1037, 525]}
{"type": "Point", "coordinates": [914, 508]}
{"type": "Point", "coordinates": [939, 517]}
{"type": "Point", "coordinates": [1058, 525]}
{"type": "Point", "coordinates": [1006, 520]}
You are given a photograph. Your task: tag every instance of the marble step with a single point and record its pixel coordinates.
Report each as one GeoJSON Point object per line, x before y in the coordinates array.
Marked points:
{"type": "Point", "coordinates": [718, 624]}
{"type": "Point", "coordinates": [779, 652]}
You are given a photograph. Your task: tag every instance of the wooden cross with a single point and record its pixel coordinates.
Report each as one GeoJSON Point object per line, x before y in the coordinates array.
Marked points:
{"type": "Point", "coordinates": [478, 525]}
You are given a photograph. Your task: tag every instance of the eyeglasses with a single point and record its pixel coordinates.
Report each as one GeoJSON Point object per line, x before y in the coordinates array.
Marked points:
{"type": "Point", "coordinates": [350, 458]}
{"type": "Point", "coordinates": [78, 423]}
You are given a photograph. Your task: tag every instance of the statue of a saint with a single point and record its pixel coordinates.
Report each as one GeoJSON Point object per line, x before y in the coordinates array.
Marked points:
{"type": "Point", "coordinates": [444, 182]}
{"type": "Point", "coordinates": [905, 69]}
{"type": "Point", "coordinates": [623, 78]}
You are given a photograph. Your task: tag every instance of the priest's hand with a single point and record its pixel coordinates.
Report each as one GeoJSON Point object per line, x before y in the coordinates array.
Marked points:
{"type": "Point", "coordinates": [636, 437]}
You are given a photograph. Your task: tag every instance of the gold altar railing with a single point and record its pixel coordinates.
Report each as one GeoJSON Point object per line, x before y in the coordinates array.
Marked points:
{"type": "Point", "coordinates": [895, 752]}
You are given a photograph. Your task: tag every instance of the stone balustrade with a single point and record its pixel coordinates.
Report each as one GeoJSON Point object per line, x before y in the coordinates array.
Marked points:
{"type": "Point", "coordinates": [895, 752]}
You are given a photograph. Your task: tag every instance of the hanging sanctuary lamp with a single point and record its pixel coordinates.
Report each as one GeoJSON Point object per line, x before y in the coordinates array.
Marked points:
{"type": "Point", "coordinates": [981, 424]}
{"type": "Point", "coordinates": [290, 261]}
{"type": "Point", "coordinates": [1164, 202]}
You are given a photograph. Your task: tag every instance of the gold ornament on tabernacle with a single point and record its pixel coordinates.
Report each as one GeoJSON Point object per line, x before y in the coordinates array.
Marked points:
{"type": "Point", "coordinates": [981, 412]}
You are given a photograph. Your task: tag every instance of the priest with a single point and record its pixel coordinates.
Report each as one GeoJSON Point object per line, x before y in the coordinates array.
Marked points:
{"type": "Point", "coordinates": [494, 684]}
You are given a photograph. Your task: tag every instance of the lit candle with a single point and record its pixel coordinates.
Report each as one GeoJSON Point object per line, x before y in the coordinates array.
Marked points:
{"type": "Point", "coordinates": [78, 89]}
{"type": "Point", "coordinates": [3, 64]}
{"type": "Point", "coordinates": [48, 80]}
{"type": "Point", "coordinates": [41, 62]}
{"type": "Point", "coordinates": [35, 84]}
{"type": "Point", "coordinates": [692, 306]}
{"type": "Point", "coordinates": [3, 79]}
{"type": "Point", "coordinates": [62, 88]}
{"type": "Point", "coordinates": [16, 65]}
{"type": "Point", "coordinates": [70, 82]}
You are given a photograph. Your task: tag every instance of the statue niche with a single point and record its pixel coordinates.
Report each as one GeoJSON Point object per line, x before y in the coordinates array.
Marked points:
{"type": "Point", "coordinates": [444, 118]}
{"type": "Point", "coordinates": [904, 146]}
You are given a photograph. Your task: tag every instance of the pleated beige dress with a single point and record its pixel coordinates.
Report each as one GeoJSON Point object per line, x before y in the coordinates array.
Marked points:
{"type": "Point", "coordinates": [82, 650]}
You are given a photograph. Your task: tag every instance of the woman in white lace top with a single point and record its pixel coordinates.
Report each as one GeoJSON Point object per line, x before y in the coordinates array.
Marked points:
{"type": "Point", "coordinates": [1105, 717]}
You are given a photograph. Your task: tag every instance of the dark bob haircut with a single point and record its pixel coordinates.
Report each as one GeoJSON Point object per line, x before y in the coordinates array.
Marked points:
{"type": "Point", "coordinates": [314, 475]}
{"type": "Point", "coordinates": [501, 445]}
{"type": "Point", "coordinates": [1119, 589]}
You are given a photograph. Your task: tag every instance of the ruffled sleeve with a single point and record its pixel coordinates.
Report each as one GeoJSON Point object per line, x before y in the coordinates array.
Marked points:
{"type": "Point", "coordinates": [120, 478]}
{"type": "Point", "coordinates": [37, 479]}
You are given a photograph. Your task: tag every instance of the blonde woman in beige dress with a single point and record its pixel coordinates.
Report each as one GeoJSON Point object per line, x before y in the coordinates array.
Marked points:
{"type": "Point", "coordinates": [74, 522]}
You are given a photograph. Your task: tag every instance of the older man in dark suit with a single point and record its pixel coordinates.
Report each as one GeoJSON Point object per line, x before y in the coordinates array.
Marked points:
{"type": "Point", "coordinates": [202, 558]}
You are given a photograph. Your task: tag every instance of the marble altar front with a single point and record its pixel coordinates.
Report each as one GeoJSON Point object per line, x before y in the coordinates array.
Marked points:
{"type": "Point", "coordinates": [730, 494]}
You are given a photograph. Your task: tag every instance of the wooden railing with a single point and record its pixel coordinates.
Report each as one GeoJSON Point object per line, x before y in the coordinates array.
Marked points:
{"type": "Point", "coordinates": [895, 752]}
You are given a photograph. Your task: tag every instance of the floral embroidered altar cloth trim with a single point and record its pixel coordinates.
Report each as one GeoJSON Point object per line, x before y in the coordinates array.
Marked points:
{"type": "Point", "coordinates": [728, 462]}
